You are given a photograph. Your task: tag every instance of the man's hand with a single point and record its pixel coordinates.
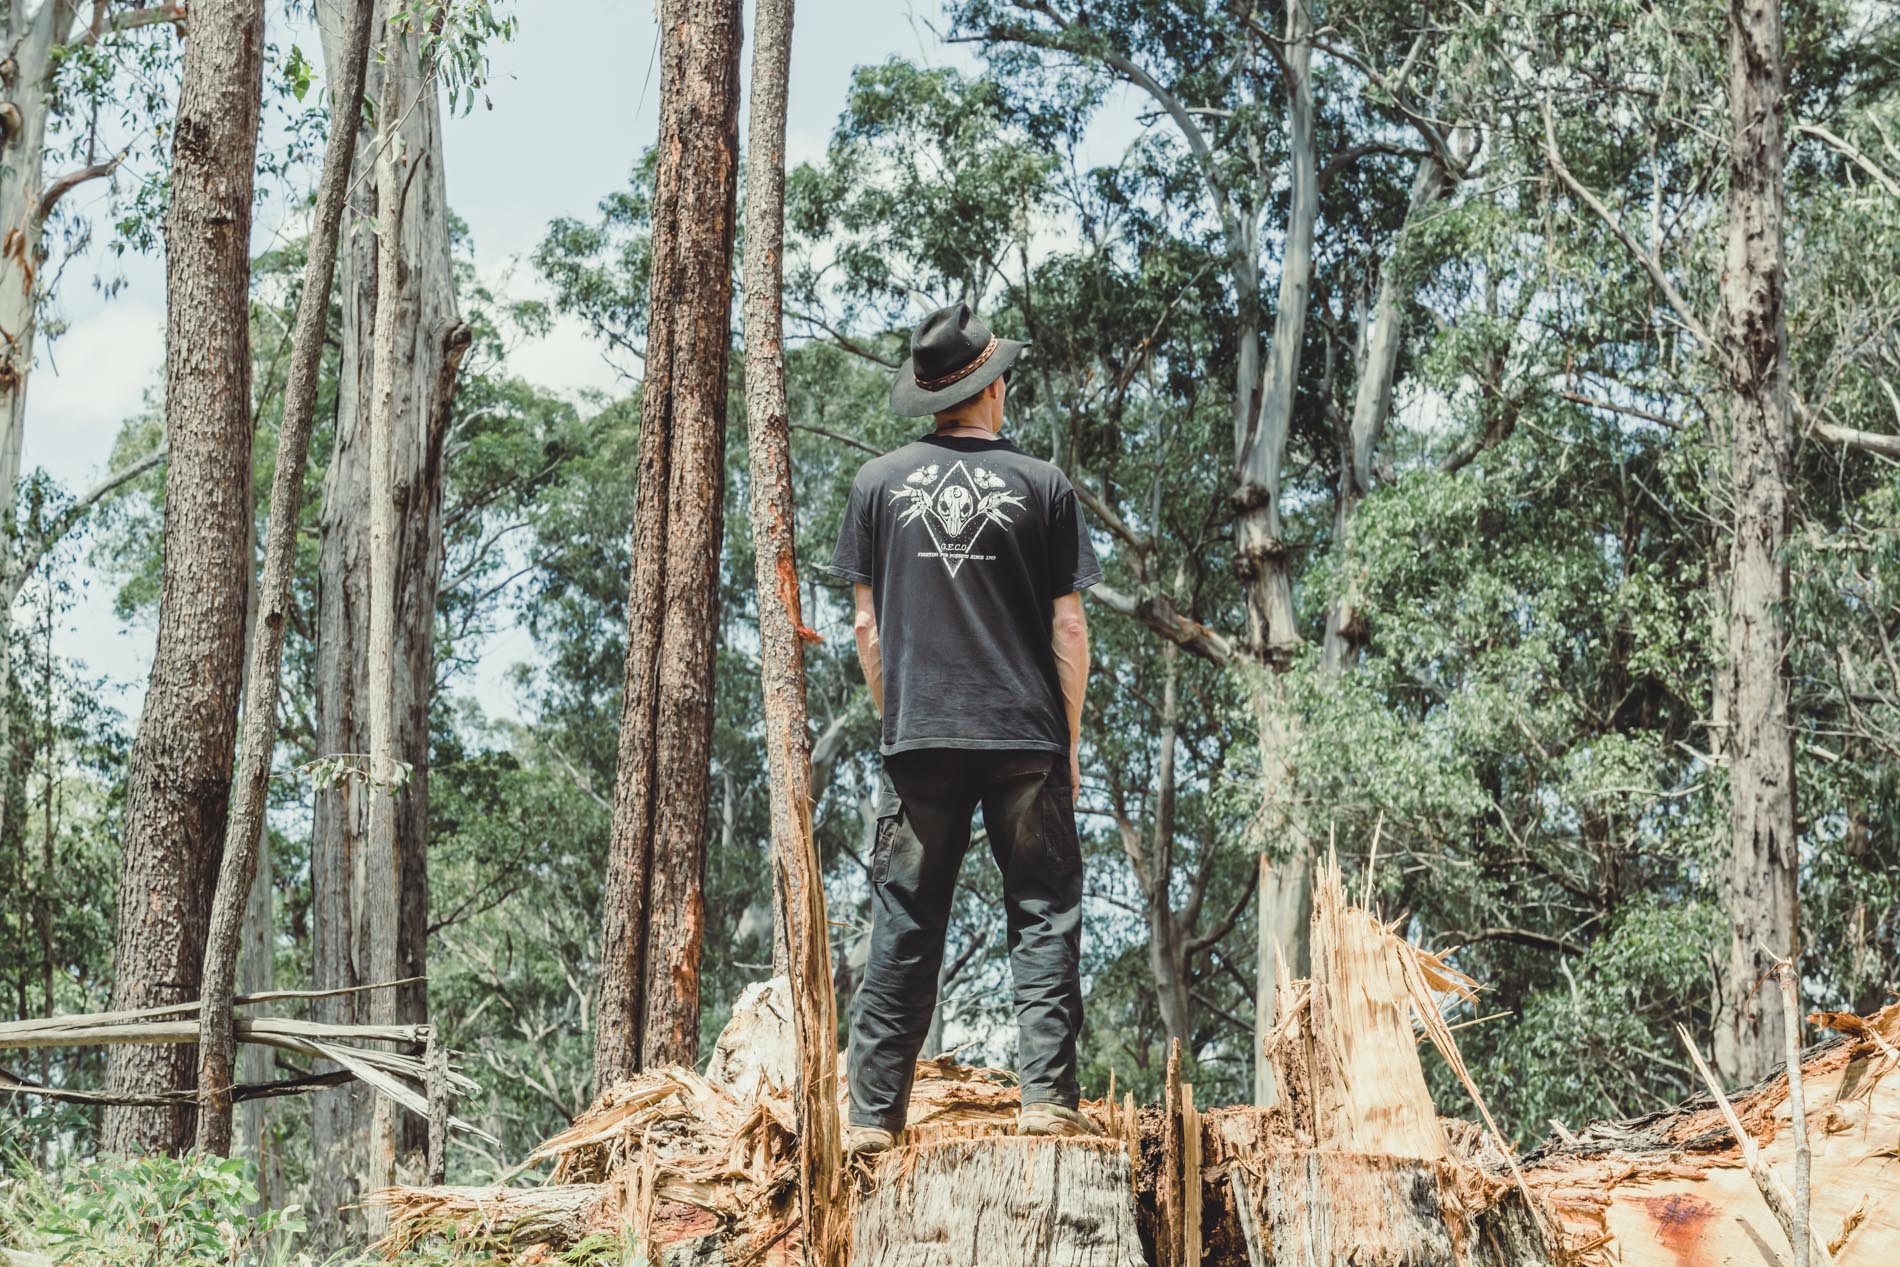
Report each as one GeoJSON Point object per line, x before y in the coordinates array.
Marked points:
{"type": "Point", "coordinates": [1069, 635]}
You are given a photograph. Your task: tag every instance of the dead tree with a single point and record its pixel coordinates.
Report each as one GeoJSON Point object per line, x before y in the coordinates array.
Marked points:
{"type": "Point", "coordinates": [650, 939]}
{"type": "Point", "coordinates": [782, 635]}
{"type": "Point", "coordinates": [179, 786]}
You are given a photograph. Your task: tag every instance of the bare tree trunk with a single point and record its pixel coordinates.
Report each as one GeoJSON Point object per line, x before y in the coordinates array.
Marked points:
{"type": "Point", "coordinates": [384, 907]}
{"type": "Point", "coordinates": [179, 786]}
{"type": "Point", "coordinates": [33, 42]}
{"type": "Point", "coordinates": [250, 787]}
{"type": "Point", "coordinates": [431, 342]}
{"type": "Point", "coordinates": [257, 975]}
{"type": "Point", "coordinates": [649, 1002]}
{"type": "Point", "coordinates": [782, 635]}
{"type": "Point", "coordinates": [1371, 409]}
{"type": "Point", "coordinates": [1264, 567]}
{"type": "Point", "coordinates": [1166, 951]}
{"type": "Point", "coordinates": [1763, 867]}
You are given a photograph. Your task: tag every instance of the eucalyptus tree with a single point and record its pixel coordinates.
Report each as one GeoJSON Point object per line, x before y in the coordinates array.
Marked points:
{"type": "Point", "coordinates": [62, 81]}
{"type": "Point", "coordinates": [179, 782]}
{"type": "Point", "coordinates": [654, 917]}
{"type": "Point", "coordinates": [434, 45]}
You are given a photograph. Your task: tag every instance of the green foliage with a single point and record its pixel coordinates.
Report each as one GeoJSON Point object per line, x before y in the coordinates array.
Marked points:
{"type": "Point", "coordinates": [147, 1212]}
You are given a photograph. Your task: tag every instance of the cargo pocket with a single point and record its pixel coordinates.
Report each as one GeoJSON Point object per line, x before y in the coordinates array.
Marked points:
{"type": "Point", "coordinates": [1060, 844]}
{"type": "Point", "coordinates": [890, 810]}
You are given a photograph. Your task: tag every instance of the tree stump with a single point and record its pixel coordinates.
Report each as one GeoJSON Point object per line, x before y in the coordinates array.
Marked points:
{"type": "Point", "coordinates": [1001, 1201]}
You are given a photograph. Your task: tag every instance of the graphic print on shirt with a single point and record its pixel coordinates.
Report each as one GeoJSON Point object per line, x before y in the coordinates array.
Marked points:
{"type": "Point", "coordinates": [955, 505]}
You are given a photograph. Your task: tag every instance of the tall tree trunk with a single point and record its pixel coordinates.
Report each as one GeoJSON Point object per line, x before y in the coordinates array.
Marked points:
{"type": "Point", "coordinates": [257, 969]}
{"type": "Point", "coordinates": [1763, 865]}
{"type": "Point", "coordinates": [431, 342]}
{"type": "Point", "coordinates": [33, 42]}
{"type": "Point", "coordinates": [250, 787]}
{"type": "Point", "coordinates": [1371, 409]}
{"type": "Point", "coordinates": [385, 784]}
{"type": "Point", "coordinates": [179, 785]}
{"type": "Point", "coordinates": [1166, 950]}
{"type": "Point", "coordinates": [649, 1002]}
{"type": "Point", "coordinates": [1264, 566]}
{"type": "Point", "coordinates": [782, 635]}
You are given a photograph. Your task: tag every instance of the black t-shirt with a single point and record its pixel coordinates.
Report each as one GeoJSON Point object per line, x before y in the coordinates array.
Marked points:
{"type": "Point", "coordinates": [966, 544]}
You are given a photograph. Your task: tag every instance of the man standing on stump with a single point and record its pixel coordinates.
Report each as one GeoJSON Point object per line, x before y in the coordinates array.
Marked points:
{"type": "Point", "coordinates": [967, 556]}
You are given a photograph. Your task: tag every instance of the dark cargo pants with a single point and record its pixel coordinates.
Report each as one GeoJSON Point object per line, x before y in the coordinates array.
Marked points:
{"type": "Point", "coordinates": [923, 831]}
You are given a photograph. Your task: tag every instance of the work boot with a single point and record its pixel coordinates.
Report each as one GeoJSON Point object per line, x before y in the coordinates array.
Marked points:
{"type": "Point", "coordinates": [1054, 1120]}
{"type": "Point", "coordinates": [866, 1141]}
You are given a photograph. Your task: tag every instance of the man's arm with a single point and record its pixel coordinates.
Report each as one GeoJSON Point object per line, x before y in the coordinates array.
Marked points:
{"type": "Point", "coordinates": [864, 629]}
{"type": "Point", "coordinates": [1069, 633]}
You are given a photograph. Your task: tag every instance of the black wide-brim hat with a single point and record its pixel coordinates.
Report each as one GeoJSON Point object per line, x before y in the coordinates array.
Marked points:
{"type": "Point", "coordinates": [953, 356]}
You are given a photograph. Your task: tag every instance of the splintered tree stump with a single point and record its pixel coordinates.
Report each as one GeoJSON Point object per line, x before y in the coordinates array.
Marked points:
{"type": "Point", "coordinates": [1001, 1201]}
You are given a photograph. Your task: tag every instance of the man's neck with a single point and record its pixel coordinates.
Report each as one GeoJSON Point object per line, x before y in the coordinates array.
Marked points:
{"type": "Point", "coordinates": [969, 430]}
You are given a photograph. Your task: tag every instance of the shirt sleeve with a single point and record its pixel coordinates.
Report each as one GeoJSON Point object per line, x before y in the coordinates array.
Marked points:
{"type": "Point", "coordinates": [1072, 562]}
{"type": "Point", "coordinates": [851, 558]}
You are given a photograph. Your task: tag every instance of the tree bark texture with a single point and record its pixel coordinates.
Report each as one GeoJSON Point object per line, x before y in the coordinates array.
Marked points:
{"type": "Point", "coordinates": [250, 786]}
{"type": "Point", "coordinates": [797, 867]}
{"type": "Point", "coordinates": [1265, 571]}
{"type": "Point", "coordinates": [384, 908]}
{"type": "Point", "coordinates": [1764, 862]}
{"type": "Point", "coordinates": [431, 343]}
{"type": "Point", "coordinates": [179, 784]}
{"type": "Point", "coordinates": [649, 1000]}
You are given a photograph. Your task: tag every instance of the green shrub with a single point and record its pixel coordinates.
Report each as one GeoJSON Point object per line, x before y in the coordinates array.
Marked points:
{"type": "Point", "coordinates": [145, 1212]}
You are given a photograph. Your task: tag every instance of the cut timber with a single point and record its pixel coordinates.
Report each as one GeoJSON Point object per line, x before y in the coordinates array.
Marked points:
{"type": "Point", "coordinates": [1671, 1190]}
{"type": "Point", "coordinates": [1001, 1201]}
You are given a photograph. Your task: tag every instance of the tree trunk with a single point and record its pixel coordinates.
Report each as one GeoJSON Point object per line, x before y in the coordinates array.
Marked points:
{"type": "Point", "coordinates": [1762, 872]}
{"type": "Point", "coordinates": [383, 910]}
{"type": "Point", "coordinates": [1166, 954]}
{"type": "Point", "coordinates": [1003, 1202]}
{"type": "Point", "coordinates": [1371, 409]}
{"type": "Point", "coordinates": [431, 342]}
{"type": "Point", "coordinates": [782, 635]}
{"type": "Point", "coordinates": [250, 787]}
{"type": "Point", "coordinates": [1265, 570]}
{"type": "Point", "coordinates": [179, 785]}
{"type": "Point", "coordinates": [33, 42]}
{"type": "Point", "coordinates": [649, 1001]}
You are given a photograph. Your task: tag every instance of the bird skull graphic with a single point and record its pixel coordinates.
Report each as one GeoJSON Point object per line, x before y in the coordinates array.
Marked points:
{"type": "Point", "coordinates": [955, 504]}
{"type": "Point", "coordinates": [955, 508]}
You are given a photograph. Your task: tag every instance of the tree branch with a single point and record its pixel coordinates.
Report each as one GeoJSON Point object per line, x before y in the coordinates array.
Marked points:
{"type": "Point", "coordinates": [1647, 259]}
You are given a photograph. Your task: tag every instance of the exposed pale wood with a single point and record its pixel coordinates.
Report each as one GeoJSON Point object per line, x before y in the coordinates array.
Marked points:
{"type": "Point", "coordinates": [1169, 1215]}
{"type": "Point", "coordinates": [1190, 1179]}
{"type": "Point", "coordinates": [1774, 1192]}
{"type": "Point", "coordinates": [1001, 1201]}
{"type": "Point", "coordinates": [1369, 1093]}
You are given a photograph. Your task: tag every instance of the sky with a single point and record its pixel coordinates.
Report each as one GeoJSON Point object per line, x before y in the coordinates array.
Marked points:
{"type": "Point", "coordinates": [571, 102]}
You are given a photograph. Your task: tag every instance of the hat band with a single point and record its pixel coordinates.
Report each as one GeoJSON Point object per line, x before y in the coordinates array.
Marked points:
{"type": "Point", "coordinates": [935, 384]}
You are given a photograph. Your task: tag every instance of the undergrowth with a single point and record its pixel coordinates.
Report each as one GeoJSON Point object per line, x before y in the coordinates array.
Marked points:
{"type": "Point", "coordinates": [196, 1212]}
